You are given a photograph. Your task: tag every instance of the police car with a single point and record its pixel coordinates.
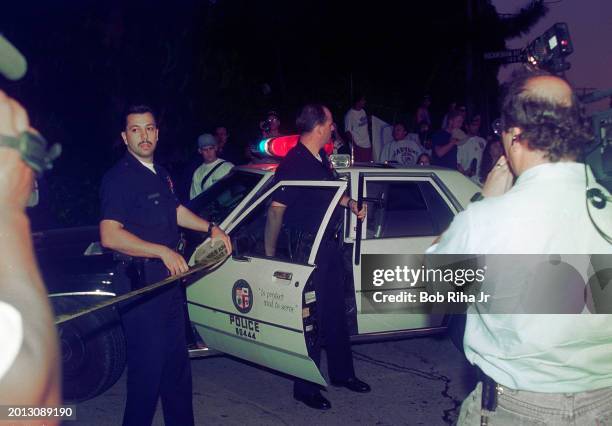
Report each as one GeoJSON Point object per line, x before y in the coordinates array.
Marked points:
{"type": "Point", "coordinates": [253, 307]}
{"type": "Point", "coordinates": [262, 309]}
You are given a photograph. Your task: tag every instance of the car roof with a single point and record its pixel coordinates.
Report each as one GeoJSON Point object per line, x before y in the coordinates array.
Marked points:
{"type": "Point", "coordinates": [357, 167]}
{"type": "Point", "coordinates": [461, 187]}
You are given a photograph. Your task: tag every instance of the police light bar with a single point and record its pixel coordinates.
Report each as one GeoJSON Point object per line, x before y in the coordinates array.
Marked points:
{"type": "Point", "coordinates": [281, 145]}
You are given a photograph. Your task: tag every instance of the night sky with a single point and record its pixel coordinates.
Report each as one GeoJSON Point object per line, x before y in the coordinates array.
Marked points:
{"type": "Point", "coordinates": [203, 63]}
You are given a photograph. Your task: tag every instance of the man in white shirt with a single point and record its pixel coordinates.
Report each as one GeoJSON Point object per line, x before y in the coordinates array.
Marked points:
{"type": "Point", "coordinates": [404, 149]}
{"type": "Point", "coordinates": [212, 169]}
{"type": "Point", "coordinates": [537, 369]}
{"type": "Point", "coordinates": [356, 128]}
{"type": "Point", "coordinates": [469, 154]}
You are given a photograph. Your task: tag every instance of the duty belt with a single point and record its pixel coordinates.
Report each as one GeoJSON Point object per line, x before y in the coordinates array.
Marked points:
{"type": "Point", "coordinates": [136, 268]}
{"type": "Point", "coordinates": [206, 260]}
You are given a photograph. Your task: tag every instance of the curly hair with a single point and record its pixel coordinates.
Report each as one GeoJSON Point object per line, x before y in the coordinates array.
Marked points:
{"type": "Point", "coordinates": [560, 131]}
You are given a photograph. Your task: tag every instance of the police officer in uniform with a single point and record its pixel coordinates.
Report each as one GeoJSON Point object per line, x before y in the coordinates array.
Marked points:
{"type": "Point", "coordinates": [139, 221]}
{"type": "Point", "coordinates": [308, 161]}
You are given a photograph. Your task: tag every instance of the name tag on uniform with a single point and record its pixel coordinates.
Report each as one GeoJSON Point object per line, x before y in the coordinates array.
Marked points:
{"type": "Point", "coordinates": [153, 196]}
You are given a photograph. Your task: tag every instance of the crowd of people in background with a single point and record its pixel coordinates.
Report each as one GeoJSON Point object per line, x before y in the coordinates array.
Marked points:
{"type": "Point", "coordinates": [460, 142]}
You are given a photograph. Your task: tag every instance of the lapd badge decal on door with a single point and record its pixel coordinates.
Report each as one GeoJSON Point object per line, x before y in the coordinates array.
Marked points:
{"type": "Point", "coordinates": [242, 295]}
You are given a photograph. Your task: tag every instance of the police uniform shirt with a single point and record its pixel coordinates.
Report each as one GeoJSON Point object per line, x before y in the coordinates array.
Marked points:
{"type": "Point", "coordinates": [305, 206]}
{"type": "Point", "coordinates": [143, 201]}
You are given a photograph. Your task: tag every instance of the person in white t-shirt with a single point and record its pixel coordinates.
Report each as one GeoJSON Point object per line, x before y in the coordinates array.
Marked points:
{"type": "Point", "coordinates": [469, 154]}
{"type": "Point", "coordinates": [404, 149]}
{"type": "Point", "coordinates": [212, 169]}
{"type": "Point", "coordinates": [356, 128]}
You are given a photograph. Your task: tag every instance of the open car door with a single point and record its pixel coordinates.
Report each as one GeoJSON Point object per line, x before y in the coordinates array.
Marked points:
{"type": "Point", "coordinates": [406, 212]}
{"type": "Point", "coordinates": [262, 309]}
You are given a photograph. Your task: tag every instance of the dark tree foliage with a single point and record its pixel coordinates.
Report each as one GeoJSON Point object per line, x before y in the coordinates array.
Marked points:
{"type": "Point", "coordinates": [489, 34]}
{"type": "Point", "coordinates": [203, 63]}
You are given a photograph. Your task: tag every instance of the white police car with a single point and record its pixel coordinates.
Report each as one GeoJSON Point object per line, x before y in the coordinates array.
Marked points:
{"type": "Point", "coordinates": [262, 309]}
{"type": "Point", "coordinates": [257, 308]}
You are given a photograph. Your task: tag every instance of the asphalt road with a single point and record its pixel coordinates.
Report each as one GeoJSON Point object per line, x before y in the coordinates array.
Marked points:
{"type": "Point", "coordinates": [419, 381]}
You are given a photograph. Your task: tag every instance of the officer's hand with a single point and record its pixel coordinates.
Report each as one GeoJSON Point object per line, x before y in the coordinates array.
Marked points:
{"type": "Point", "coordinates": [499, 179]}
{"type": "Point", "coordinates": [15, 176]}
{"type": "Point", "coordinates": [174, 262]}
{"type": "Point", "coordinates": [217, 232]}
{"type": "Point", "coordinates": [361, 214]}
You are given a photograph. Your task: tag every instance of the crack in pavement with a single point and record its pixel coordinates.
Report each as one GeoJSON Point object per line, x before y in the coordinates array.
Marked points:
{"type": "Point", "coordinates": [447, 416]}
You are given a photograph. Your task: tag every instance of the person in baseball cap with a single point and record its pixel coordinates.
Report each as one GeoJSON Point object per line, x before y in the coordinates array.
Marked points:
{"type": "Point", "coordinates": [212, 169]}
{"type": "Point", "coordinates": [206, 140]}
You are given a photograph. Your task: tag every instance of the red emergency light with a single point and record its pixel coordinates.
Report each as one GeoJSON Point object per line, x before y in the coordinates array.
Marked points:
{"type": "Point", "coordinates": [281, 145]}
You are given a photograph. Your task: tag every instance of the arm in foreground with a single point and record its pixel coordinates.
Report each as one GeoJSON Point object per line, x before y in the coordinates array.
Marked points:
{"type": "Point", "coordinates": [33, 378]}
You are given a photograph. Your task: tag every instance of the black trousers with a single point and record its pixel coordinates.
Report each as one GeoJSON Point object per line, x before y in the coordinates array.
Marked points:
{"type": "Point", "coordinates": [329, 287]}
{"type": "Point", "coordinates": [157, 358]}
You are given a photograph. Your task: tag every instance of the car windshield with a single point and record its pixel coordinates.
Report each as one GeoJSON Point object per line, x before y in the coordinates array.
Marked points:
{"type": "Point", "coordinates": [216, 203]}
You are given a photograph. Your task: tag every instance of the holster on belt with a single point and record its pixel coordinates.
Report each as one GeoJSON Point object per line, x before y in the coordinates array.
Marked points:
{"type": "Point", "coordinates": [489, 392]}
{"type": "Point", "coordinates": [134, 269]}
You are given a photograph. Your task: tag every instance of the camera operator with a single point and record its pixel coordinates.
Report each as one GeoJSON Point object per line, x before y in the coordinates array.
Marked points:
{"type": "Point", "coordinates": [535, 369]}
{"type": "Point", "coordinates": [270, 127]}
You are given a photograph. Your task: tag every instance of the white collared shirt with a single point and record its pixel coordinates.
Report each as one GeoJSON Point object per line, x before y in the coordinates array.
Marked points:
{"type": "Point", "coordinates": [544, 213]}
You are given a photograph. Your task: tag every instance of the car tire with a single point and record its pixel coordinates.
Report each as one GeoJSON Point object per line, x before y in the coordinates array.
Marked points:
{"type": "Point", "coordinates": [93, 349]}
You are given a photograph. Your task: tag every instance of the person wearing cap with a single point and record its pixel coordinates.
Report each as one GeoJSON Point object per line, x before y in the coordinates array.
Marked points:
{"type": "Point", "coordinates": [444, 152]}
{"type": "Point", "coordinates": [212, 169]}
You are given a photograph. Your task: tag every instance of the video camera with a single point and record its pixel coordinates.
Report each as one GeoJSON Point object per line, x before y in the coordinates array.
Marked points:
{"type": "Point", "coordinates": [599, 156]}
{"type": "Point", "coordinates": [266, 124]}
{"type": "Point", "coordinates": [550, 49]}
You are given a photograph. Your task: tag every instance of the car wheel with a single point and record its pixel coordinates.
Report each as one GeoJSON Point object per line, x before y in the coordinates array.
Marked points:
{"type": "Point", "coordinates": [93, 349]}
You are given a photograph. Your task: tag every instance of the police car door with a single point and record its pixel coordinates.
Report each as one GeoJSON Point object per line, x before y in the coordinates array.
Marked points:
{"type": "Point", "coordinates": [406, 212]}
{"type": "Point", "coordinates": [262, 309]}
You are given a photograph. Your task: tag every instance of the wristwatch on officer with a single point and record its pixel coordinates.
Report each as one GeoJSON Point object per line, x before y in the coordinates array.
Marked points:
{"type": "Point", "coordinates": [211, 225]}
